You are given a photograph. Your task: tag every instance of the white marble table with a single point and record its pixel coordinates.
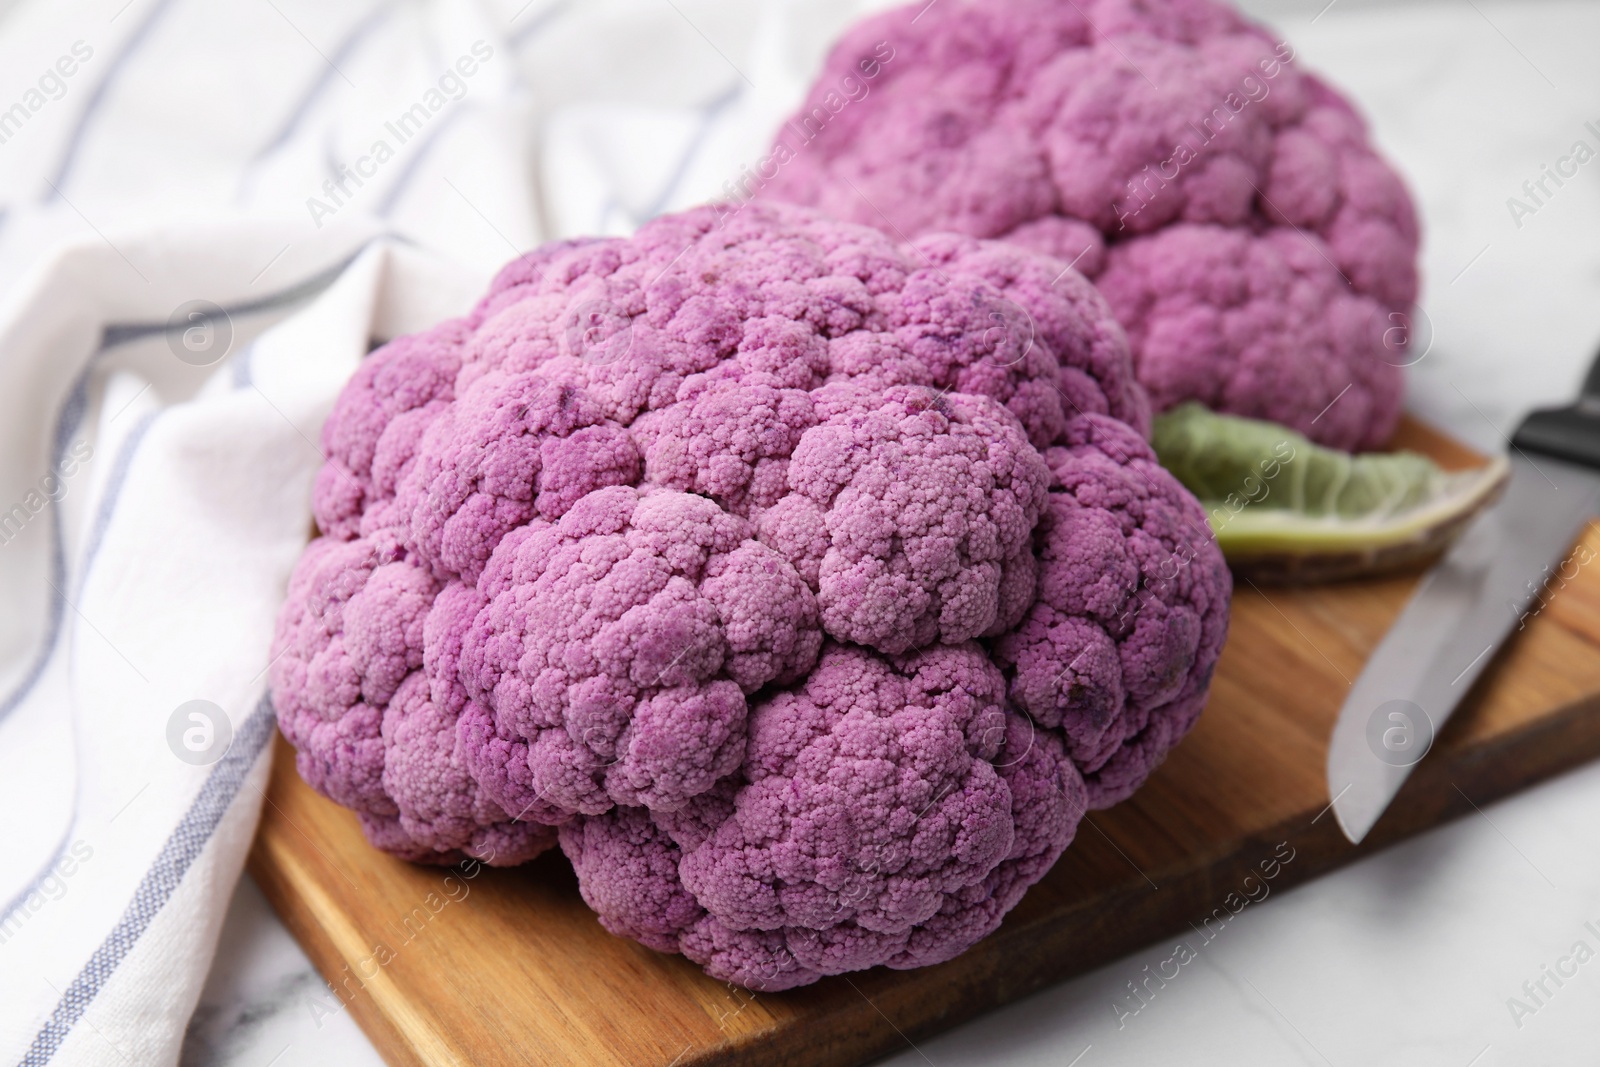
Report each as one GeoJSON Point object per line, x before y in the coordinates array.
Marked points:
{"type": "Point", "coordinates": [1410, 957]}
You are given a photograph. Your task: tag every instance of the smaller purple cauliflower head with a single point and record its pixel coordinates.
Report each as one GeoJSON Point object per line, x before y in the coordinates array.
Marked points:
{"type": "Point", "coordinates": [890, 811]}
{"type": "Point", "coordinates": [810, 583]}
{"type": "Point", "coordinates": [1257, 326]}
{"type": "Point", "coordinates": [1094, 131]}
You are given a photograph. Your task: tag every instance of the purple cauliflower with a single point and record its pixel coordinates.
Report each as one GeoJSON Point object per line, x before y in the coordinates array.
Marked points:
{"type": "Point", "coordinates": [1260, 254]}
{"type": "Point", "coordinates": [746, 552]}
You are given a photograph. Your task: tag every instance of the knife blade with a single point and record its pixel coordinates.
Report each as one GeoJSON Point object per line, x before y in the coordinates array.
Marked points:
{"type": "Point", "coordinates": [1479, 593]}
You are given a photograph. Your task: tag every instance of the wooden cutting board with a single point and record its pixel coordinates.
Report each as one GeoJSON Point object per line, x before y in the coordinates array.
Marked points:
{"type": "Point", "coordinates": [510, 967]}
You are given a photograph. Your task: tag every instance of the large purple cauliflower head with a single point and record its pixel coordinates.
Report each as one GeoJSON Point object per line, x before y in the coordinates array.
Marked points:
{"type": "Point", "coordinates": [754, 552]}
{"type": "Point", "coordinates": [1259, 252]}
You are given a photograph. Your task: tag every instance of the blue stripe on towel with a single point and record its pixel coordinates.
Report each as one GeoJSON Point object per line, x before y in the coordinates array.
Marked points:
{"type": "Point", "coordinates": [371, 21]}
{"type": "Point", "coordinates": [71, 418]}
{"type": "Point", "coordinates": [108, 504]}
{"type": "Point", "coordinates": [183, 847]}
{"type": "Point", "coordinates": [97, 99]}
{"type": "Point", "coordinates": [150, 896]}
{"type": "Point", "coordinates": [539, 23]}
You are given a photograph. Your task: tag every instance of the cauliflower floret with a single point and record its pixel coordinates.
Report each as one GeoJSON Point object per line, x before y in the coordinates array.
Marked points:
{"type": "Point", "coordinates": [890, 811]}
{"type": "Point", "coordinates": [870, 796]}
{"type": "Point", "coordinates": [316, 684]}
{"type": "Point", "coordinates": [627, 864]}
{"type": "Point", "coordinates": [370, 438]}
{"type": "Point", "coordinates": [620, 642]}
{"type": "Point", "coordinates": [443, 814]}
{"type": "Point", "coordinates": [1257, 326]}
{"type": "Point", "coordinates": [909, 512]}
{"type": "Point", "coordinates": [513, 447]}
{"type": "Point", "coordinates": [1087, 130]}
{"type": "Point", "coordinates": [354, 697]}
{"type": "Point", "coordinates": [1118, 650]}
{"type": "Point", "coordinates": [1052, 349]}
{"type": "Point", "coordinates": [727, 439]}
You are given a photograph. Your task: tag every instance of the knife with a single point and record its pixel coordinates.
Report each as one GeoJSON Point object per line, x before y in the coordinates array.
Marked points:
{"type": "Point", "coordinates": [1479, 593]}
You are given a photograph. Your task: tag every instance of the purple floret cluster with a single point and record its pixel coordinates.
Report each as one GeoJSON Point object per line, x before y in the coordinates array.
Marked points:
{"type": "Point", "coordinates": [806, 586]}
{"type": "Point", "coordinates": [1260, 254]}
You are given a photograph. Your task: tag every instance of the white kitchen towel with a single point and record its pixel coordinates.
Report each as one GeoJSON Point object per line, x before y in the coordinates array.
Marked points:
{"type": "Point", "coordinates": [205, 218]}
{"type": "Point", "coordinates": [179, 505]}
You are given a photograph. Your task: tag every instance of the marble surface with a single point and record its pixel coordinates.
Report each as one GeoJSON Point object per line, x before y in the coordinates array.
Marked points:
{"type": "Point", "coordinates": [264, 1005]}
{"type": "Point", "coordinates": [1436, 951]}
{"type": "Point", "coordinates": [1407, 958]}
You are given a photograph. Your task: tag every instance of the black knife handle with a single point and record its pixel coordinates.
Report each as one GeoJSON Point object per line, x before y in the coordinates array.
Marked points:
{"type": "Point", "coordinates": [1591, 384]}
{"type": "Point", "coordinates": [1571, 433]}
